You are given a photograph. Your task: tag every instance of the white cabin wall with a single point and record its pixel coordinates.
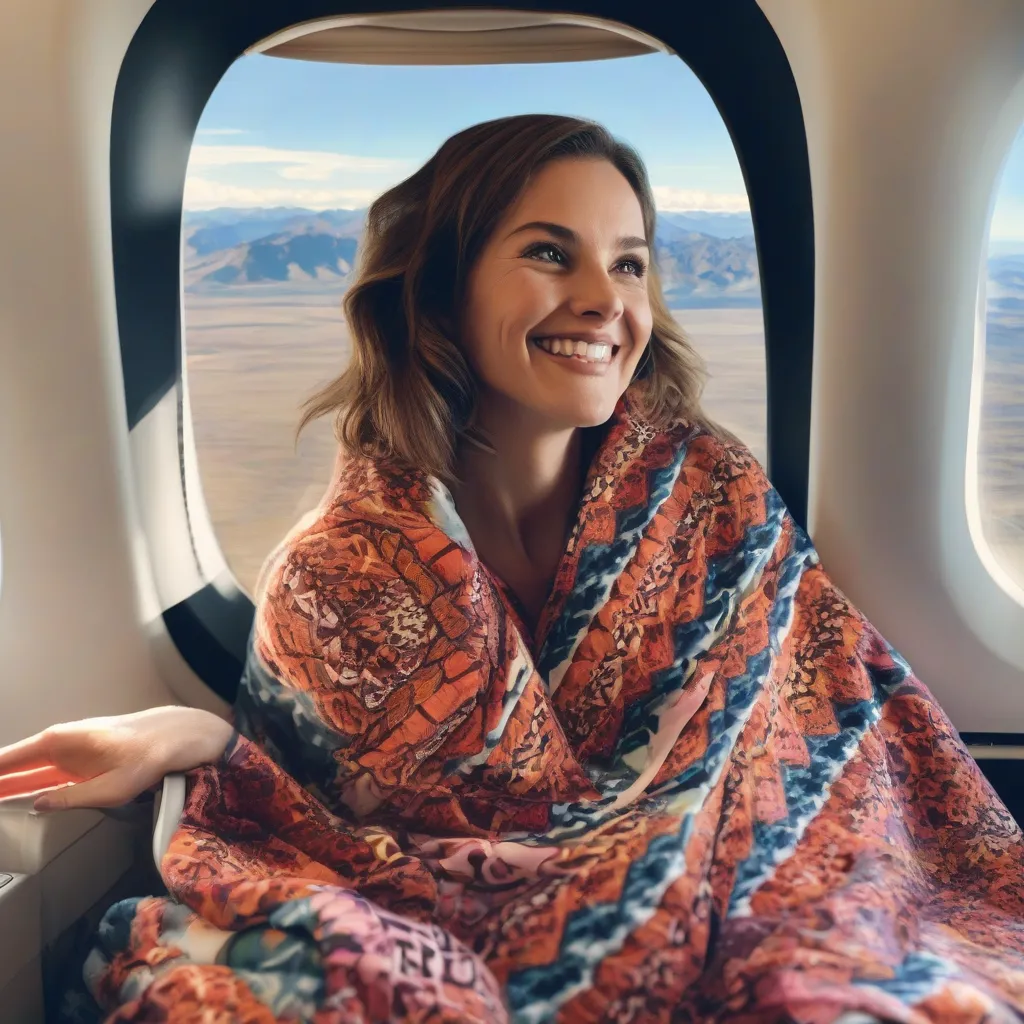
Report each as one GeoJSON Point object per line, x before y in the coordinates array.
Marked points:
{"type": "Point", "coordinates": [74, 599]}
{"type": "Point", "coordinates": [910, 110]}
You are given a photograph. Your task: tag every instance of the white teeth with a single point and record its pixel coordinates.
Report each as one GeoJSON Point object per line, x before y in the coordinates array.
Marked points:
{"type": "Point", "coordinates": [591, 352]}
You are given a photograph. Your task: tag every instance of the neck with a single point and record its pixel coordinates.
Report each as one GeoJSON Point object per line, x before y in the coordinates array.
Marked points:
{"type": "Point", "coordinates": [527, 490]}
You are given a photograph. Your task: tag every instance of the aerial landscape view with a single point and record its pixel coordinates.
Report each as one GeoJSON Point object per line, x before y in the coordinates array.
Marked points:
{"type": "Point", "coordinates": [274, 214]}
{"type": "Point", "coordinates": [1001, 433]}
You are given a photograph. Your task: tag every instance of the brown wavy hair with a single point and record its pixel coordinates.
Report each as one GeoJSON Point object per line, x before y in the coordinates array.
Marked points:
{"type": "Point", "coordinates": [408, 392]}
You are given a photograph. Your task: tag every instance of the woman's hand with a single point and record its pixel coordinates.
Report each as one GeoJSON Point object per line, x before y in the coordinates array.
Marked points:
{"type": "Point", "coordinates": [110, 761]}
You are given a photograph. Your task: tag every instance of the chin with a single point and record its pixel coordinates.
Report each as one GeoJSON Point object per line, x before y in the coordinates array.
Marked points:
{"type": "Point", "coordinates": [589, 413]}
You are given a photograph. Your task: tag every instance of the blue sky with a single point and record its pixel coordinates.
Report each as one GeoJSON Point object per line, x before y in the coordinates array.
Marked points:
{"type": "Point", "coordinates": [287, 132]}
{"type": "Point", "coordinates": [326, 133]}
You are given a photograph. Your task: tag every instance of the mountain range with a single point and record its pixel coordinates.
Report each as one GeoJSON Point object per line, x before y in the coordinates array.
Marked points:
{"type": "Point", "coordinates": [705, 259]}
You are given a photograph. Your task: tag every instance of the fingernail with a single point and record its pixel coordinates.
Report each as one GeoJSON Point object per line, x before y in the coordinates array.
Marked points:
{"type": "Point", "coordinates": [43, 803]}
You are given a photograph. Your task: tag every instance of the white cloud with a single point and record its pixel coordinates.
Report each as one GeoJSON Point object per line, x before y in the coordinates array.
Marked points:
{"type": "Point", "coordinates": [221, 131]}
{"type": "Point", "coordinates": [294, 164]}
{"type": "Point", "coordinates": [203, 194]}
{"type": "Point", "coordinates": [670, 198]}
{"type": "Point", "coordinates": [276, 170]}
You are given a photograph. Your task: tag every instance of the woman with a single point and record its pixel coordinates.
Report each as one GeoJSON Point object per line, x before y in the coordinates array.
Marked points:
{"type": "Point", "coordinates": [550, 712]}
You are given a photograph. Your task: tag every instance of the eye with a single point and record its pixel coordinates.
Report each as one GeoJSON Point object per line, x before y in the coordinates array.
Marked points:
{"type": "Point", "coordinates": [535, 251]}
{"type": "Point", "coordinates": [639, 267]}
{"type": "Point", "coordinates": [636, 267]}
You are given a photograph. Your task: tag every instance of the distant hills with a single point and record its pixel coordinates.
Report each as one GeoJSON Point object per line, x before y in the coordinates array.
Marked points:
{"type": "Point", "coordinates": [706, 259]}
{"type": "Point", "coordinates": [1006, 284]}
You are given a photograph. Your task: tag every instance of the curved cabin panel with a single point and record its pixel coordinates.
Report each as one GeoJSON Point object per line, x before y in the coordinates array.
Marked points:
{"type": "Point", "coordinates": [905, 163]}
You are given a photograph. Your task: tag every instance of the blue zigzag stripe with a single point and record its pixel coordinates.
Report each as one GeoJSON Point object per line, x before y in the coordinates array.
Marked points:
{"type": "Point", "coordinates": [731, 576]}
{"type": "Point", "coordinates": [600, 565]}
{"type": "Point", "coordinates": [595, 932]}
{"type": "Point", "coordinates": [728, 577]}
{"type": "Point", "coordinates": [915, 979]}
{"type": "Point", "coordinates": [291, 724]}
{"type": "Point", "coordinates": [807, 789]}
{"type": "Point", "coordinates": [514, 689]}
{"type": "Point", "coordinates": [744, 689]}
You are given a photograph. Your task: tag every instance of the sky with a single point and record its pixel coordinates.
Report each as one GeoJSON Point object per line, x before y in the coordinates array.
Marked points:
{"type": "Point", "coordinates": [286, 132]}
{"type": "Point", "coordinates": [299, 133]}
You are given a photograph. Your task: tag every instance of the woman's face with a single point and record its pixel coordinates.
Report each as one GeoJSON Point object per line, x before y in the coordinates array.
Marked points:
{"type": "Point", "coordinates": [557, 315]}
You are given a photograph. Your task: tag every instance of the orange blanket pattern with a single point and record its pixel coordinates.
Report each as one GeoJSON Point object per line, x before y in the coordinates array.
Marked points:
{"type": "Point", "coordinates": [703, 789]}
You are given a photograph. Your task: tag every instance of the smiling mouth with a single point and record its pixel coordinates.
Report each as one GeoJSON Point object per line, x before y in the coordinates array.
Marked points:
{"type": "Point", "coordinates": [584, 351]}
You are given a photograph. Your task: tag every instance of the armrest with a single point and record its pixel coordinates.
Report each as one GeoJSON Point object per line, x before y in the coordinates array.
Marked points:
{"type": "Point", "coordinates": [169, 804]}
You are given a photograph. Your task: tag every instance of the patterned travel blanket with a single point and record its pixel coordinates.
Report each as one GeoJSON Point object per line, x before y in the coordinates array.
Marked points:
{"type": "Point", "coordinates": [703, 789]}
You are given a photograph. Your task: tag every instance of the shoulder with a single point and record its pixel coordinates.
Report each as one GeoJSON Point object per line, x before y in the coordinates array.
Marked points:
{"type": "Point", "coordinates": [320, 610]}
{"type": "Point", "coordinates": [723, 487]}
{"type": "Point", "coordinates": [324, 558]}
{"type": "Point", "coordinates": [366, 591]}
{"type": "Point", "coordinates": [355, 531]}
{"type": "Point", "coordinates": [724, 459]}
{"type": "Point", "coordinates": [316, 542]}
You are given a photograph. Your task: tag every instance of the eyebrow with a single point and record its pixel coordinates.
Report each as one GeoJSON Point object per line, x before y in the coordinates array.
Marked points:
{"type": "Point", "coordinates": [570, 236]}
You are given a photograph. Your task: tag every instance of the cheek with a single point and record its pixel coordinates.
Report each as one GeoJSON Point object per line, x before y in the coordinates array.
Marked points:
{"type": "Point", "coordinates": [501, 311]}
{"type": "Point", "coordinates": [477, 321]}
{"type": "Point", "coordinates": [641, 322]}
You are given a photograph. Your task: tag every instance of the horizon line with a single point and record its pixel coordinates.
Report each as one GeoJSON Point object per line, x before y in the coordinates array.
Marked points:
{"type": "Point", "coordinates": [358, 209]}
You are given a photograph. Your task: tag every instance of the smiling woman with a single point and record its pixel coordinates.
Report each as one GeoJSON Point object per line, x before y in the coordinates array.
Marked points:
{"type": "Point", "coordinates": [503, 303]}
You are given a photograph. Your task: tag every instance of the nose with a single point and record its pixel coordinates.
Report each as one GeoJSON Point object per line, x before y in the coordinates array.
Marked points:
{"type": "Point", "coordinates": [594, 294]}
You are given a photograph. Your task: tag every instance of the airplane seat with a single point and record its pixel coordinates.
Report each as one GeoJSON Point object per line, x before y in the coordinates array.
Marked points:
{"type": "Point", "coordinates": [167, 810]}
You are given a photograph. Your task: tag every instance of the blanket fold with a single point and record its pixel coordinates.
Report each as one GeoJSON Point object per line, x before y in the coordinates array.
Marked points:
{"type": "Point", "coordinates": [704, 789]}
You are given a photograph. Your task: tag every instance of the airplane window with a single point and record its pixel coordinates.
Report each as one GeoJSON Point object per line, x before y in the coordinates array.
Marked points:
{"type": "Point", "coordinates": [1001, 428]}
{"type": "Point", "coordinates": [286, 159]}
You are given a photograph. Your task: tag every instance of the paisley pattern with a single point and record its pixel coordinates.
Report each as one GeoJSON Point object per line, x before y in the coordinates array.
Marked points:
{"type": "Point", "coordinates": [705, 789]}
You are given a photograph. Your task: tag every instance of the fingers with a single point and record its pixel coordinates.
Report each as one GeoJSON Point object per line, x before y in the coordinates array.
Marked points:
{"type": "Point", "coordinates": [25, 755]}
{"type": "Point", "coordinates": [111, 789]}
{"type": "Point", "coordinates": [31, 781]}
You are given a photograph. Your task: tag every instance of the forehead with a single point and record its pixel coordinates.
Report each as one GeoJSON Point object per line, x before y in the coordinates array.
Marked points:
{"type": "Point", "coordinates": [581, 194]}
